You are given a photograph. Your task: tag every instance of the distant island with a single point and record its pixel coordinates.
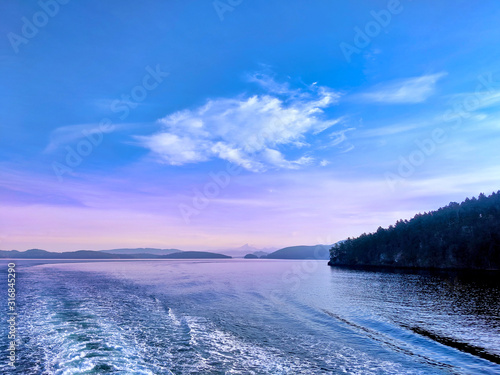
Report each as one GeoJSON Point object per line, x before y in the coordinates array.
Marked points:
{"type": "Point", "coordinates": [141, 250]}
{"type": "Point", "coordinates": [457, 236]}
{"type": "Point", "coordinates": [140, 253]}
{"type": "Point", "coordinates": [319, 252]}
{"type": "Point", "coordinates": [43, 254]}
{"type": "Point", "coordinates": [241, 251]}
{"type": "Point", "coordinates": [195, 255]}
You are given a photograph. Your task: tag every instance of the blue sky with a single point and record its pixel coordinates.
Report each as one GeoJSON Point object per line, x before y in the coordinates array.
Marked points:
{"type": "Point", "coordinates": [210, 124]}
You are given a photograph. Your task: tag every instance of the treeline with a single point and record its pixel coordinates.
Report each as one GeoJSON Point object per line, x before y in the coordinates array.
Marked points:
{"type": "Point", "coordinates": [465, 235]}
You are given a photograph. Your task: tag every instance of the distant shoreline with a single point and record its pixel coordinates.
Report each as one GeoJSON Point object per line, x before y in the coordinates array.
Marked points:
{"type": "Point", "coordinates": [369, 267]}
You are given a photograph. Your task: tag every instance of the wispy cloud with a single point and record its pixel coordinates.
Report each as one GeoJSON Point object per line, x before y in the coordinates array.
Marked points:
{"type": "Point", "coordinates": [475, 101]}
{"type": "Point", "coordinates": [67, 134]}
{"type": "Point", "coordinates": [490, 100]}
{"type": "Point", "coordinates": [253, 132]}
{"type": "Point", "coordinates": [391, 130]}
{"type": "Point", "coordinates": [408, 90]}
{"type": "Point", "coordinates": [339, 136]}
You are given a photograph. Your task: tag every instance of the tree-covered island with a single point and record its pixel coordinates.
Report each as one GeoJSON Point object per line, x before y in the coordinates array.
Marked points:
{"type": "Point", "coordinates": [457, 236]}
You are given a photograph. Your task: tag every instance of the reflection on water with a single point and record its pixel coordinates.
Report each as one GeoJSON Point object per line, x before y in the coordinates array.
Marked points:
{"type": "Point", "coordinates": [252, 317]}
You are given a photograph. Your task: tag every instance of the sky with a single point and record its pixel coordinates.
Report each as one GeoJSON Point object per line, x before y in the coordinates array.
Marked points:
{"type": "Point", "coordinates": [204, 125]}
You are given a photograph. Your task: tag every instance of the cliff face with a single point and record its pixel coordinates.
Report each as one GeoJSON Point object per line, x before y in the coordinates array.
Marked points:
{"type": "Point", "coordinates": [465, 235]}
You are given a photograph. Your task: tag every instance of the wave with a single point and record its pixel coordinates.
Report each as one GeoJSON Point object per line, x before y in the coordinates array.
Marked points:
{"type": "Point", "coordinates": [463, 347]}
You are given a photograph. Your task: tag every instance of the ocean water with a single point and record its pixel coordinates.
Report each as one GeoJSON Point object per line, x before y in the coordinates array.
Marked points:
{"type": "Point", "coordinates": [249, 317]}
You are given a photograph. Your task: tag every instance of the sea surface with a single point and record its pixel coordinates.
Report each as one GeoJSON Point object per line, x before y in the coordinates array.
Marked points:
{"type": "Point", "coordinates": [249, 317]}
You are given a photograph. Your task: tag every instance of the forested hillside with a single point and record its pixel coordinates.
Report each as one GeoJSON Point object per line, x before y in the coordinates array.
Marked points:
{"type": "Point", "coordinates": [465, 235]}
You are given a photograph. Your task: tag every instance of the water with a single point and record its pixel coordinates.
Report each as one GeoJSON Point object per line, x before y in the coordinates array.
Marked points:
{"type": "Point", "coordinates": [250, 317]}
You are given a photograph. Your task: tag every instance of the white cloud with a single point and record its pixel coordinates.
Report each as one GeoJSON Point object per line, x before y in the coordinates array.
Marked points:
{"type": "Point", "coordinates": [409, 90]}
{"type": "Point", "coordinates": [390, 130]}
{"type": "Point", "coordinates": [324, 163]}
{"type": "Point", "coordinates": [472, 101]}
{"type": "Point", "coordinates": [339, 136]}
{"type": "Point", "coordinates": [489, 100]}
{"type": "Point", "coordinates": [254, 132]}
{"type": "Point", "coordinates": [67, 134]}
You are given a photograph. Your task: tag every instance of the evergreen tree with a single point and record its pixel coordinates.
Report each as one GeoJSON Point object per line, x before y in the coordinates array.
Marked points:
{"type": "Point", "coordinates": [465, 235]}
